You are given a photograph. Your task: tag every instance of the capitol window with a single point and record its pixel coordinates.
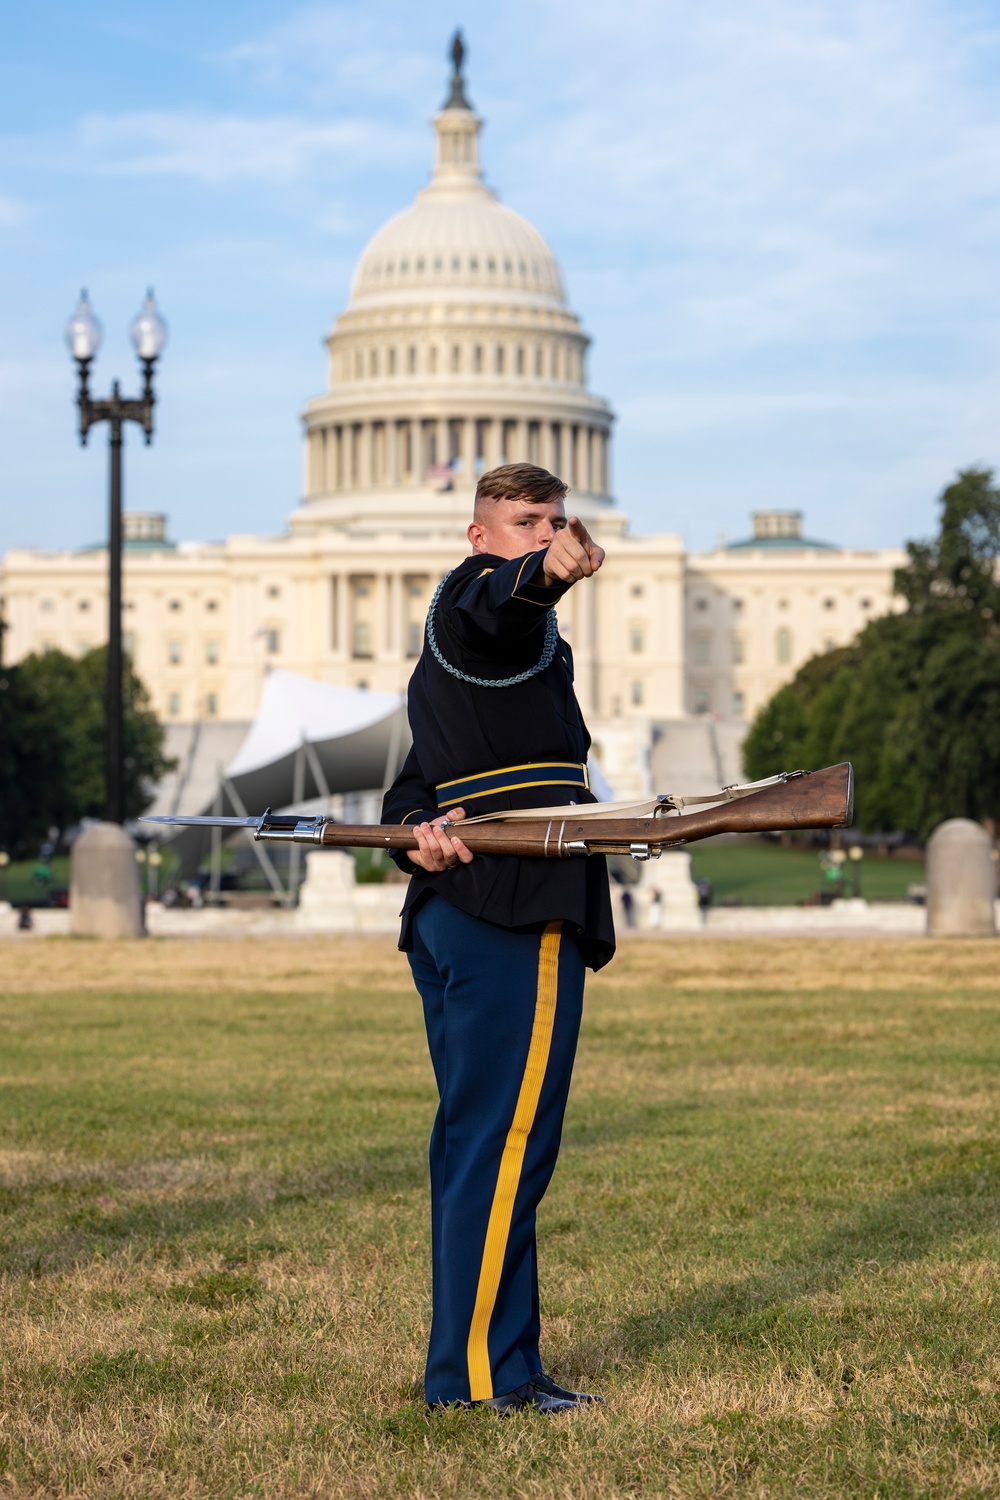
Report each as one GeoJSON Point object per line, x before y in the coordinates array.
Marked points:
{"type": "Point", "coordinates": [212, 653]}
{"type": "Point", "coordinates": [392, 361]}
{"type": "Point", "coordinates": [783, 645]}
{"type": "Point", "coordinates": [211, 604]}
{"type": "Point", "coordinates": [438, 262]}
{"type": "Point", "coordinates": [272, 641]}
{"type": "Point", "coordinates": [637, 693]}
{"type": "Point", "coordinates": [739, 704]}
{"type": "Point", "coordinates": [362, 638]}
{"type": "Point", "coordinates": [175, 653]}
{"type": "Point", "coordinates": [174, 705]}
{"type": "Point", "coordinates": [739, 650]}
{"type": "Point", "coordinates": [83, 605]}
{"type": "Point", "coordinates": [499, 359]}
{"type": "Point", "coordinates": [491, 264]}
{"type": "Point", "coordinates": [701, 648]}
{"type": "Point", "coordinates": [174, 605]}
{"type": "Point", "coordinates": [373, 362]}
{"type": "Point", "coordinates": [520, 359]}
{"type": "Point", "coordinates": [637, 638]}
{"type": "Point", "coordinates": [477, 359]}
{"type": "Point", "coordinates": [456, 359]}
{"type": "Point", "coordinates": [538, 359]}
{"type": "Point", "coordinates": [411, 360]}
{"type": "Point", "coordinates": [211, 705]}
{"type": "Point", "coordinates": [420, 265]}
{"type": "Point", "coordinates": [432, 359]}
{"type": "Point", "coordinates": [359, 367]}
{"type": "Point", "coordinates": [473, 263]}
{"type": "Point", "coordinates": [47, 606]}
{"type": "Point", "coordinates": [456, 264]}
{"type": "Point", "coordinates": [829, 604]}
{"type": "Point", "coordinates": [508, 268]}
{"type": "Point", "coordinates": [637, 591]}
{"type": "Point", "coordinates": [404, 266]}
{"type": "Point", "coordinates": [866, 604]}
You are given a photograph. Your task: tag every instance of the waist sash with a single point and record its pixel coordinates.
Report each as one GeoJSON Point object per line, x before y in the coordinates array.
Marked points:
{"type": "Point", "coordinates": [512, 779]}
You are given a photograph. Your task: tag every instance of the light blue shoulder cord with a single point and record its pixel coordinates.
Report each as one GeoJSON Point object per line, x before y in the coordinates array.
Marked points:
{"type": "Point", "coordinates": [545, 660]}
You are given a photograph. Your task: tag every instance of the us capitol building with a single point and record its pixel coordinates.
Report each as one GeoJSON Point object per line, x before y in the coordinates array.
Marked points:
{"type": "Point", "coordinates": [457, 351]}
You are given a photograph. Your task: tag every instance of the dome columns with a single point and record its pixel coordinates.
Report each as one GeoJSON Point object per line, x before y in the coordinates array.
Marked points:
{"type": "Point", "coordinates": [389, 453]}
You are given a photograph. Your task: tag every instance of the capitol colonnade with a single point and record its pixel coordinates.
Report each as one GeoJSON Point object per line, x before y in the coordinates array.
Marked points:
{"type": "Point", "coordinates": [376, 454]}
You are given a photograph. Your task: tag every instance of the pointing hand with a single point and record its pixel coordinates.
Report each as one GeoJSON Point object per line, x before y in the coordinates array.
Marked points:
{"type": "Point", "coordinates": [572, 554]}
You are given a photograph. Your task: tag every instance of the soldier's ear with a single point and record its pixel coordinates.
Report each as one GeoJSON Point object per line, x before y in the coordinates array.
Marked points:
{"type": "Point", "coordinates": [476, 533]}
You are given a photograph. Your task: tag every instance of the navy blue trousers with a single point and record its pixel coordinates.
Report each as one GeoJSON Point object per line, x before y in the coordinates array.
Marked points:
{"type": "Point", "coordinates": [502, 1011]}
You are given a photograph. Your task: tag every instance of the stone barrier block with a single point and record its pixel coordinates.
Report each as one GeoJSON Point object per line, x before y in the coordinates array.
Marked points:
{"type": "Point", "coordinates": [961, 881]}
{"type": "Point", "coordinates": [105, 900]}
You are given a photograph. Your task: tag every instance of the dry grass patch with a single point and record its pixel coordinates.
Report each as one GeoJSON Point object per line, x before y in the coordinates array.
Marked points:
{"type": "Point", "coordinates": [772, 1241]}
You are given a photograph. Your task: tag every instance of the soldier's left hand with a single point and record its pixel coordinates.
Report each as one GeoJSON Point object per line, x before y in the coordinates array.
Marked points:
{"type": "Point", "coordinates": [572, 554]}
{"type": "Point", "coordinates": [438, 848]}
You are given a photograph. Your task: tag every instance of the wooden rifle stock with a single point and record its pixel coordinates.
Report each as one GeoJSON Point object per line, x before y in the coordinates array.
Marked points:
{"type": "Point", "coordinates": [818, 799]}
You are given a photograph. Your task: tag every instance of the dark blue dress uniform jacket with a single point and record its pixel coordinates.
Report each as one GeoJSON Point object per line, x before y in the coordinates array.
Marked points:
{"type": "Point", "coordinates": [490, 623]}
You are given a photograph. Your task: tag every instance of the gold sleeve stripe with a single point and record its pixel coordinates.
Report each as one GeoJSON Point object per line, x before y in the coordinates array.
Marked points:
{"type": "Point", "coordinates": [412, 811]}
{"type": "Point", "coordinates": [511, 1164]}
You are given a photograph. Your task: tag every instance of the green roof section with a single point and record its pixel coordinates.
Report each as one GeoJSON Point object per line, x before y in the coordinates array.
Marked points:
{"type": "Point", "coordinates": [779, 531]}
{"type": "Point", "coordinates": [781, 544]}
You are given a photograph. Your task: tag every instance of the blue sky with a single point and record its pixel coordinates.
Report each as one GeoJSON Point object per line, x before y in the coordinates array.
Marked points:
{"type": "Point", "coordinates": [778, 219]}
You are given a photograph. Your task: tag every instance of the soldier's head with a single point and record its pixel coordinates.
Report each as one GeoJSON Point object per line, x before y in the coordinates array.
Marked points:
{"type": "Point", "coordinates": [519, 508]}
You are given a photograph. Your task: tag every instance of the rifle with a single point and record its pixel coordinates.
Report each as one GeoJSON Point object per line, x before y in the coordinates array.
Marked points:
{"type": "Point", "coordinates": [791, 800]}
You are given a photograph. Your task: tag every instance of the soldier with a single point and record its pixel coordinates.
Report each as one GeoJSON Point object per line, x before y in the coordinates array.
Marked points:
{"type": "Point", "coordinates": [498, 945]}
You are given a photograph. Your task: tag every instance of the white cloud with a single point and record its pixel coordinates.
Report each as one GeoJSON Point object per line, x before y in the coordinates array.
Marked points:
{"type": "Point", "coordinates": [224, 148]}
{"type": "Point", "coordinates": [12, 213]}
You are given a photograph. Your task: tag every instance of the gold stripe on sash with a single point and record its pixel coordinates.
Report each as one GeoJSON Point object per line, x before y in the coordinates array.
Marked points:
{"type": "Point", "coordinates": [511, 1163]}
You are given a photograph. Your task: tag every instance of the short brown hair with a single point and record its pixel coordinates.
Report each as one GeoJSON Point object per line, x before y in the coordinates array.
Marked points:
{"type": "Point", "coordinates": [519, 482]}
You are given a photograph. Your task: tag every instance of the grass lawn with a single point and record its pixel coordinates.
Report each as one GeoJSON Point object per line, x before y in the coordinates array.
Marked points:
{"type": "Point", "coordinates": [767, 875]}
{"type": "Point", "coordinates": [772, 1239]}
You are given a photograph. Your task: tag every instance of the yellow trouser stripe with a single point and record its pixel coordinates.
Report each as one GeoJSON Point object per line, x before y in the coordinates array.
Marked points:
{"type": "Point", "coordinates": [511, 1162]}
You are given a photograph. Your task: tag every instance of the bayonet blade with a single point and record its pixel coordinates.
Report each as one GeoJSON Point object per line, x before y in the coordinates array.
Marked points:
{"type": "Point", "coordinates": [193, 822]}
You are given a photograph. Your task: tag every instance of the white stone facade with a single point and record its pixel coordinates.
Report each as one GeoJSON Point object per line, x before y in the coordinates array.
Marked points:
{"type": "Point", "coordinates": [457, 351]}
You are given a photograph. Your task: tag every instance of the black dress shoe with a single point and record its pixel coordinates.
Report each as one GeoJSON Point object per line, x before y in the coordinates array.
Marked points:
{"type": "Point", "coordinates": [529, 1397]}
{"type": "Point", "coordinates": [548, 1387]}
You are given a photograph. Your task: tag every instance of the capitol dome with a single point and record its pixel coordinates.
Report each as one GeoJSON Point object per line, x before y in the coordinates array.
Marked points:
{"type": "Point", "coordinates": [457, 351]}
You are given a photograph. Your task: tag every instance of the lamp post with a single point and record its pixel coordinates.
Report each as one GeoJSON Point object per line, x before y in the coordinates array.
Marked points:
{"type": "Point", "coordinates": [83, 335]}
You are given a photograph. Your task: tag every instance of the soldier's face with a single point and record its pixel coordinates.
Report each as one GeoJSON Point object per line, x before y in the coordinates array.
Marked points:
{"type": "Point", "coordinates": [510, 528]}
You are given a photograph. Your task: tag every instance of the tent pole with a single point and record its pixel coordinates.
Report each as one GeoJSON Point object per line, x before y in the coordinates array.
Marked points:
{"type": "Point", "coordinates": [215, 865]}
{"type": "Point", "coordinates": [298, 793]}
{"type": "Point", "coordinates": [266, 865]}
{"type": "Point", "coordinates": [322, 785]}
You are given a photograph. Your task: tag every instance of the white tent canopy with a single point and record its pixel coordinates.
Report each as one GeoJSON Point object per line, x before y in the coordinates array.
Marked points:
{"type": "Point", "coordinates": [354, 741]}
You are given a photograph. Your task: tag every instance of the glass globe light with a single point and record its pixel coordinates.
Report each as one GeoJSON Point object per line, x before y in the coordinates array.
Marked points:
{"type": "Point", "coordinates": [148, 330]}
{"type": "Point", "coordinates": [83, 331]}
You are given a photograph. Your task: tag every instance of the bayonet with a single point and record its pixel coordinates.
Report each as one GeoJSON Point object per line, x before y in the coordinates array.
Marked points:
{"type": "Point", "coordinates": [784, 803]}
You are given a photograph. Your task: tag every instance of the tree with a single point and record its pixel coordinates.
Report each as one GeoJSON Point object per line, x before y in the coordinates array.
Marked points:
{"type": "Point", "coordinates": [52, 745]}
{"type": "Point", "coordinates": [914, 702]}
